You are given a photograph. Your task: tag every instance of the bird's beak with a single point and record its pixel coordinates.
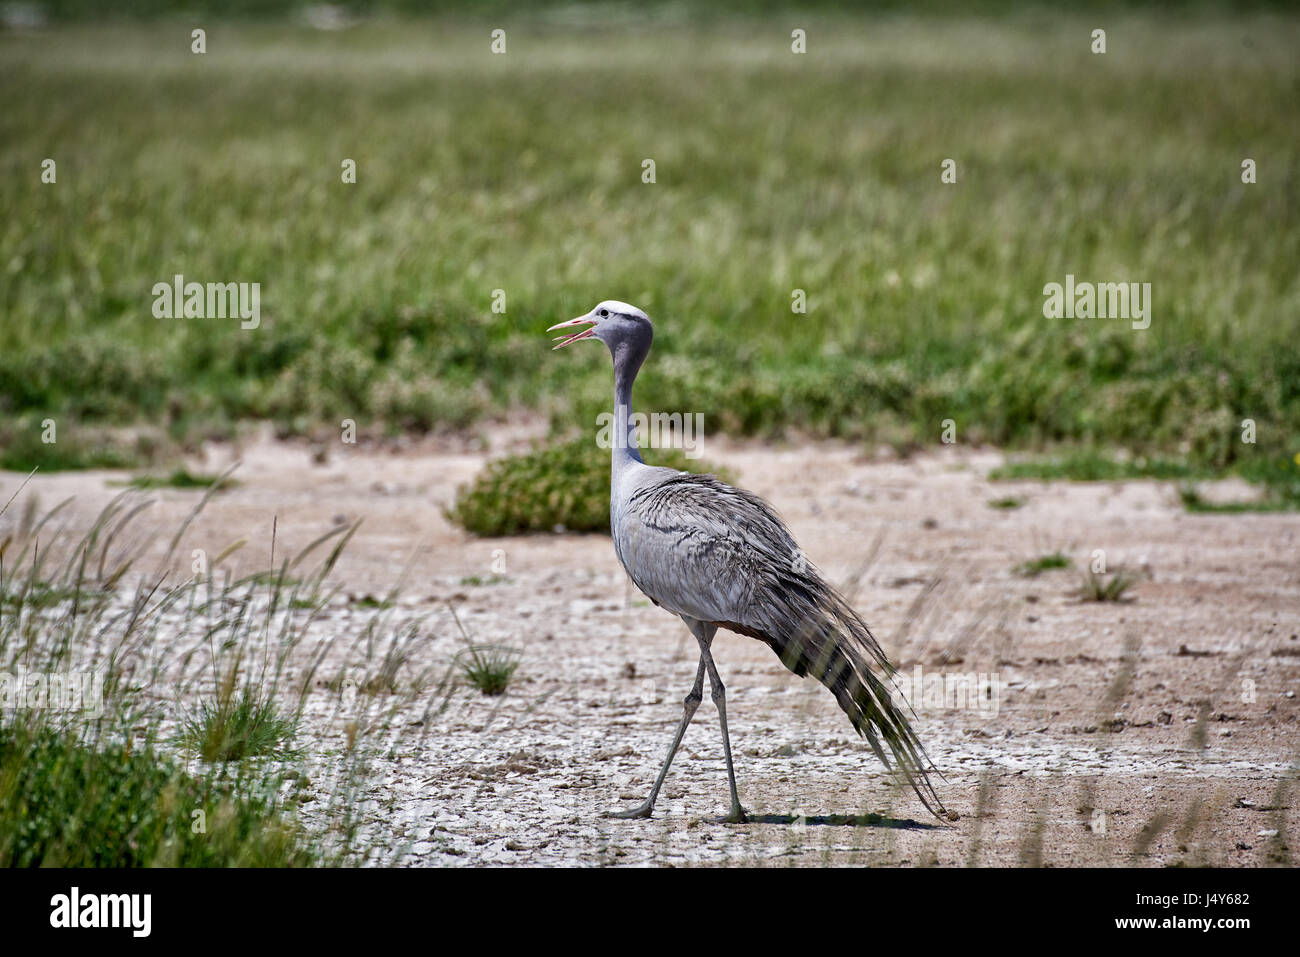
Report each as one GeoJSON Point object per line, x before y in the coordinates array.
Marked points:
{"type": "Point", "coordinates": [565, 339]}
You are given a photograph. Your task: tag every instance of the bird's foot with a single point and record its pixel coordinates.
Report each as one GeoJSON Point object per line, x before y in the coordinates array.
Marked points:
{"type": "Point", "coordinates": [738, 815]}
{"type": "Point", "coordinates": [642, 811]}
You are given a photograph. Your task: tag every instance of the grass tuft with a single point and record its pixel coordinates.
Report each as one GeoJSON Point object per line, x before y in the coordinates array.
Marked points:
{"type": "Point", "coordinates": [488, 667]}
{"type": "Point", "coordinates": [1107, 587]}
{"type": "Point", "coordinates": [477, 581]}
{"type": "Point", "coordinates": [233, 726]}
{"type": "Point", "coordinates": [1044, 563]}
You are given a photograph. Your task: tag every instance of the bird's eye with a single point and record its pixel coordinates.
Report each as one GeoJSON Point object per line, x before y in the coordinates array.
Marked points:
{"type": "Point", "coordinates": [604, 312]}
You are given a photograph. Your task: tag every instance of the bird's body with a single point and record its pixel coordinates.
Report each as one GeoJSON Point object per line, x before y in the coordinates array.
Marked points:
{"type": "Point", "coordinates": [720, 557]}
{"type": "Point", "coordinates": [673, 530]}
{"type": "Point", "coordinates": [678, 530]}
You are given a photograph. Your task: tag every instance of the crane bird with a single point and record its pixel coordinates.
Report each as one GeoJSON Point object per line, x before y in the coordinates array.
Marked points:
{"type": "Point", "coordinates": [720, 557]}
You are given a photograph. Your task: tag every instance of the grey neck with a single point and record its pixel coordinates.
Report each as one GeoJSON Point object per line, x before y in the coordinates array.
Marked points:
{"type": "Point", "coordinates": [627, 362]}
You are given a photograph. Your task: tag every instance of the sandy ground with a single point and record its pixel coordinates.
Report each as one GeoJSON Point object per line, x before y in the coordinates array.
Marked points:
{"type": "Point", "coordinates": [1065, 762]}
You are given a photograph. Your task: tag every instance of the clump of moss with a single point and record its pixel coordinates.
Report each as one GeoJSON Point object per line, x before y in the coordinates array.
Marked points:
{"type": "Point", "coordinates": [559, 486]}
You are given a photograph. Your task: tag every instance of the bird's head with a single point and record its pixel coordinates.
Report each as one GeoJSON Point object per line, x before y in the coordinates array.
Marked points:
{"type": "Point", "coordinates": [618, 325]}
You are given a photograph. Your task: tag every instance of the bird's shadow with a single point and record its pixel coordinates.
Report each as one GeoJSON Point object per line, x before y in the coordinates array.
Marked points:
{"type": "Point", "coordinates": [844, 820]}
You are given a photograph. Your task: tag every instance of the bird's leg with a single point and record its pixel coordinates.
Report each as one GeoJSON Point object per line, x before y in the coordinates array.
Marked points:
{"type": "Point", "coordinates": [737, 813]}
{"type": "Point", "coordinates": [690, 704]}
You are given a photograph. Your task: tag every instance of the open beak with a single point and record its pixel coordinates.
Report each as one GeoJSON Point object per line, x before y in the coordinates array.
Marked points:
{"type": "Point", "coordinates": [565, 339]}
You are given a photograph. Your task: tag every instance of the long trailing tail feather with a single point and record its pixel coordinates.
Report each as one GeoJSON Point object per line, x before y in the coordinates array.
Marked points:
{"type": "Point", "coordinates": [816, 633]}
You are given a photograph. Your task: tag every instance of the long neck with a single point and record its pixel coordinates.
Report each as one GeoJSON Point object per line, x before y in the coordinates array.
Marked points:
{"type": "Point", "coordinates": [626, 364]}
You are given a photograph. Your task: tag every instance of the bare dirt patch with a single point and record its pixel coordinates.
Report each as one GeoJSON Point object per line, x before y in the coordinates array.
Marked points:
{"type": "Point", "coordinates": [1157, 730]}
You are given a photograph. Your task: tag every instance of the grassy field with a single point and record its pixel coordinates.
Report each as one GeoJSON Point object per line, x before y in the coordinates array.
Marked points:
{"type": "Point", "coordinates": [774, 172]}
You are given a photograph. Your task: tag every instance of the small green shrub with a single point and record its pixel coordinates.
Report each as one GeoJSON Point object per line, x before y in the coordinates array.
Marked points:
{"type": "Point", "coordinates": [561, 485]}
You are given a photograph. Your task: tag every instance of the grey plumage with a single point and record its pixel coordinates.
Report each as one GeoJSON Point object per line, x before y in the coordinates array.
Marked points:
{"type": "Point", "coordinates": [705, 550]}
{"type": "Point", "coordinates": [720, 557]}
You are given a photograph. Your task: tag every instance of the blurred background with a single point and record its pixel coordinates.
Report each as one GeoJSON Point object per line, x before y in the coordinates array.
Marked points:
{"type": "Point", "coordinates": [522, 173]}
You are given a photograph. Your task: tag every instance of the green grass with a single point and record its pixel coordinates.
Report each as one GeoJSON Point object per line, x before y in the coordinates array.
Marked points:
{"type": "Point", "coordinates": [46, 595]}
{"type": "Point", "coordinates": [277, 580]}
{"type": "Point", "coordinates": [1279, 477]}
{"type": "Point", "coordinates": [488, 668]}
{"type": "Point", "coordinates": [1088, 465]}
{"type": "Point", "coordinates": [1107, 587]}
{"type": "Point", "coordinates": [105, 780]}
{"type": "Point", "coordinates": [557, 485]}
{"type": "Point", "coordinates": [1286, 500]}
{"type": "Point", "coordinates": [478, 581]}
{"type": "Point", "coordinates": [1044, 563]}
{"type": "Point", "coordinates": [21, 447]}
{"type": "Point", "coordinates": [1006, 503]}
{"type": "Point", "coordinates": [181, 478]}
{"type": "Point", "coordinates": [236, 724]}
{"type": "Point", "coordinates": [774, 172]}
{"type": "Point", "coordinates": [70, 804]}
